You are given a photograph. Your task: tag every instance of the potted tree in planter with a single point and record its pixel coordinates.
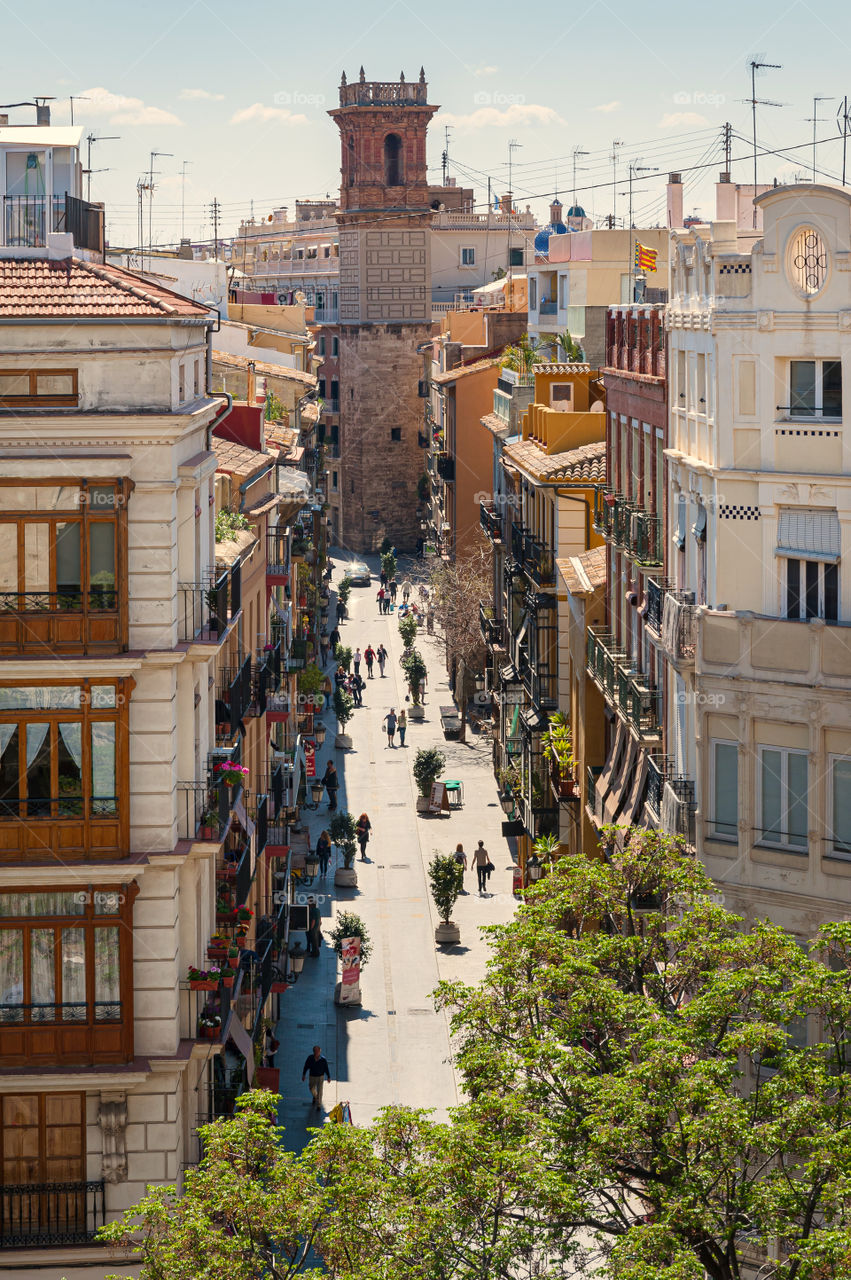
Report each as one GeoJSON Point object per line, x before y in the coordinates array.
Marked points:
{"type": "Point", "coordinates": [414, 667]}
{"type": "Point", "coordinates": [349, 925]}
{"type": "Point", "coordinates": [343, 656]}
{"type": "Point", "coordinates": [310, 682]}
{"type": "Point", "coordinates": [344, 706]}
{"type": "Point", "coordinates": [344, 590]}
{"type": "Point", "coordinates": [388, 564]}
{"type": "Point", "coordinates": [446, 877]}
{"type": "Point", "coordinates": [429, 763]}
{"type": "Point", "coordinates": [343, 830]}
{"type": "Point", "coordinates": [408, 630]}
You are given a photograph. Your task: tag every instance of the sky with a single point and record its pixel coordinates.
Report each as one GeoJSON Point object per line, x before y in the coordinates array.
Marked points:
{"type": "Point", "coordinates": [238, 95]}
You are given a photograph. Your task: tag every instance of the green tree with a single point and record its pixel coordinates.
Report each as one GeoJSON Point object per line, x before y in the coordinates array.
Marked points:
{"type": "Point", "coordinates": [388, 564]}
{"type": "Point", "coordinates": [344, 708]}
{"type": "Point", "coordinates": [659, 1046]}
{"type": "Point", "coordinates": [429, 763]}
{"type": "Point", "coordinates": [446, 878]}
{"type": "Point", "coordinates": [343, 830]}
{"type": "Point", "coordinates": [415, 669]}
{"type": "Point", "coordinates": [349, 925]}
{"type": "Point", "coordinates": [524, 354]}
{"type": "Point", "coordinates": [408, 630]}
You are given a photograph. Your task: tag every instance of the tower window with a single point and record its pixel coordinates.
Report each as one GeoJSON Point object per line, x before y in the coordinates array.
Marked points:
{"type": "Point", "coordinates": [395, 433]}
{"type": "Point", "coordinates": [351, 161]}
{"type": "Point", "coordinates": [393, 160]}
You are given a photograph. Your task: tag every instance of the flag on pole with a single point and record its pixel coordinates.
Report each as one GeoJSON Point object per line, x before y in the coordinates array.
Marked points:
{"type": "Point", "coordinates": [645, 259]}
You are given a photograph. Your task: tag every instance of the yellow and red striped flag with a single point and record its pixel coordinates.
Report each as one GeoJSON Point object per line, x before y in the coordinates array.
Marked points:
{"type": "Point", "coordinates": [645, 259]}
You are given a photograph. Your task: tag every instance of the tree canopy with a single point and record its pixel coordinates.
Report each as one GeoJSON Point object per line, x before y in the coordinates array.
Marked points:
{"type": "Point", "coordinates": [654, 1093]}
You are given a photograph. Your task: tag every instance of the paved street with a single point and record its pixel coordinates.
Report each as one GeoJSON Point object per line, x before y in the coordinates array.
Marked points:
{"type": "Point", "coordinates": [396, 1047]}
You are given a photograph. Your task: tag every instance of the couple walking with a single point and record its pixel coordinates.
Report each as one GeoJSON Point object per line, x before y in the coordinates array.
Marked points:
{"type": "Point", "coordinates": [392, 722]}
{"type": "Point", "coordinates": [481, 861]}
{"type": "Point", "coordinates": [370, 656]}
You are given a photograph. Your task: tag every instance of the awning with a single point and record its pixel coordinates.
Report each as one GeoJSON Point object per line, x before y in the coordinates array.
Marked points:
{"type": "Point", "coordinates": [509, 674]}
{"type": "Point", "coordinates": [533, 720]}
{"type": "Point", "coordinates": [524, 627]}
{"type": "Point", "coordinates": [808, 533]}
{"type": "Point", "coordinates": [621, 779]}
{"type": "Point", "coordinates": [699, 526]}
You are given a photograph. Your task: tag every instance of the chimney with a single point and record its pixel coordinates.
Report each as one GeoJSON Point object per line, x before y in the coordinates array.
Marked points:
{"type": "Point", "coordinates": [42, 113]}
{"type": "Point", "coordinates": [725, 199]}
{"type": "Point", "coordinates": [675, 199]}
{"type": "Point", "coordinates": [185, 251]}
{"type": "Point", "coordinates": [505, 203]}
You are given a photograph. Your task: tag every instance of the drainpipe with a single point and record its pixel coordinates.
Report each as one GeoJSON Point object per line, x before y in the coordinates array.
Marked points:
{"type": "Point", "coordinates": [226, 408]}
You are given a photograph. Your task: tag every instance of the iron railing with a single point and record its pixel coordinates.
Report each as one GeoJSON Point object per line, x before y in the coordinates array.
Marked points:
{"type": "Point", "coordinates": [203, 811]}
{"type": "Point", "coordinates": [206, 610]}
{"type": "Point", "coordinates": [85, 221]}
{"type": "Point", "coordinates": [51, 1213]}
{"type": "Point", "coordinates": [679, 626]}
{"type": "Point", "coordinates": [491, 521]}
{"type": "Point", "coordinates": [493, 629]}
{"type": "Point", "coordinates": [646, 539]}
{"type": "Point", "coordinates": [655, 603]}
{"type": "Point", "coordinates": [244, 875]}
{"type": "Point", "coordinates": [621, 531]}
{"type": "Point", "coordinates": [446, 467]}
{"type": "Point", "coordinates": [639, 701]}
{"type": "Point", "coordinates": [540, 563]}
{"type": "Point", "coordinates": [28, 220]}
{"type": "Point", "coordinates": [604, 502]}
{"type": "Point", "coordinates": [592, 773]}
{"type": "Point", "coordinates": [678, 808]}
{"type": "Point", "coordinates": [61, 1011]}
{"type": "Point", "coordinates": [18, 808]}
{"type": "Point", "coordinates": [657, 771]}
{"type": "Point", "coordinates": [235, 693]}
{"type": "Point", "coordinates": [68, 600]}
{"type": "Point", "coordinates": [278, 552]}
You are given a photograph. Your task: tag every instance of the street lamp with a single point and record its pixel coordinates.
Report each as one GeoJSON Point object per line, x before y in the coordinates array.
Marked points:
{"type": "Point", "coordinates": [506, 799]}
{"type": "Point", "coordinates": [534, 870]}
{"type": "Point", "coordinates": [316, 789]}
{"type": "Point", "coordinates": [311, 866]}
{"type": "Point", "coordinates": [296, 955]}
{"type": "Point", "coordinates": [319, 734]}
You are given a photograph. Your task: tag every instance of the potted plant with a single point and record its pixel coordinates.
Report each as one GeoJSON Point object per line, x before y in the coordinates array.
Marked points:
{"type": "Point", "coordinates": [388, 564]}
{"type": "Point", "coordinates": [209, 825]}
{"type": "Point", "coordinates": [343, 830]}
{"type": "Point", "coordinates": [446, 877]}
{"type": "Point", "coordinates": [415, 669]}
{"type": "Point", "coordinates": [209, 1023]}
{"type": "Point", "coordinates": [344, 707]}
{"type": "Point", "coordinates": [203, 979]}
{"type": "Point", "coordinates": [217, 948]}
{"type": "Point", "coordinates": [343, 656]}
{"type": "Point", "coordinates": [232, 775]}
{"type": "Point", "coordinates": [408, 630]}
{"type": "Point", "coordinates": [349, 925]}
{"type": "Point", "coordinates": [429, 763]}
{"type": "Point", "coordinates": [344, 590]}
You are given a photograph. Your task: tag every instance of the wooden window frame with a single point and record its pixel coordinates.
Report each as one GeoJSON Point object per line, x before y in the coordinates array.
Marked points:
{"type": "Point", "coordinates": [34, 400]}
{"type": "Point", "coordinates": [43, 1177]}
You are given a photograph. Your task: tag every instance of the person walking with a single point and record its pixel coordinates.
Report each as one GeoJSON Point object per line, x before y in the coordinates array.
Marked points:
{"type": "Point", "coordinates": [382, 658]}
{"type": "Point", "coordinates": [331, 782]}
{"type": "Point", "coordinates": [357, 660]}
{"type": "Point", "coordinates": [382, 578]}
{"type": "Point", "coordinates": [481, 861]}
{"type": "Point", "coordinates": [402, 726]}
{"type": "Point", "coordinates": [461, 858]}
{"type": "Point", "coordinates": [357, 690]}
{"type": "Point", "coordinates": [369, 659]}
{"type": "Point", "coordinates": [340, 677]}
{"type": "Point", "coordinates": [323, 852]}
{"type": "Point", "coordinates": [390, 721]}
{"type": "Point", "coordinates": [335, 639]}
{"type": "Point", "coordinates": [325, 645]}
{"type": "Point", "coordinates": [364, 827]}
{"type": "Point", "coordinates": [393, 589]}
{"type": "Point", "coordinates": [341, 611]}
{"type": "Point", "coordinates": [407, 588]}
{"type": "Point", "coordinates": [314, 927]}
{"type": "Point", "coordinates": [316, 1067]}
{"type": "Point", "coordinates": [380, 598]}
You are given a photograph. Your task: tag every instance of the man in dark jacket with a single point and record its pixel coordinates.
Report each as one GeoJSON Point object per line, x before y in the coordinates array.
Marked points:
{"type": "Point", "coordinates": [317, 1068]}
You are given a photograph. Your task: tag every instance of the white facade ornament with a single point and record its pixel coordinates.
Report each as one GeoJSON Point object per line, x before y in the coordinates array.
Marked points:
{"type": "Point", "coordinates": [112, 1118]}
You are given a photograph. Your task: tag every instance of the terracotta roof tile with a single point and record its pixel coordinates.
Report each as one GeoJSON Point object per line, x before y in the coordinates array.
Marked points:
{"type": "Point", "coordinates": [71, 287]}
{"type": "Point", "coordinates": [238, 459]}
{"type": "Point", "coordinates": [584, 573]}
{"type": "Point", "coordinates": [265, 369]}
{"type": "Point", "coordinates": [588, 462]}
{"type": "Point", "coordinates": [461, 370]}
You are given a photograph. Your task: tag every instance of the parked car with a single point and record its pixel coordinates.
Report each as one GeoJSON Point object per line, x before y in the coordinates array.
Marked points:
{"type": "Point", "coordinates": [358, 573]}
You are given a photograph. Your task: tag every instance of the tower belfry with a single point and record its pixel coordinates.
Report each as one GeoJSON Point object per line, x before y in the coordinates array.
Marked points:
{"type": "Point", "coordinates": [385, 303]}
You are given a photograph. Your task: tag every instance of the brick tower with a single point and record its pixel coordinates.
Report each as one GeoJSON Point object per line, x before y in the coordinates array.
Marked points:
{"type": "Point", "coordinates": [385, 305]}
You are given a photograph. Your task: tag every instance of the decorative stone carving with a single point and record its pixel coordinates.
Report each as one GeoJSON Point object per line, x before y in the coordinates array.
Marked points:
{"type": "Point", "coordinates": [112, 1118]}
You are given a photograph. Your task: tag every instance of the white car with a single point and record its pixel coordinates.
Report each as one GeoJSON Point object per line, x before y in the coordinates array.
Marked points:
{"type": "Point", "coordinates": [358, 574]}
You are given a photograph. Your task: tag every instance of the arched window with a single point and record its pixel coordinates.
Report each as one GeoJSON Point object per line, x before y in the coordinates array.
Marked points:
{"type": "Point", "coordinates": [393, 160]}
{"type": "Point", "coordinates": [351, 161]}
{"type": "Point", "coordinates": [807, 261]}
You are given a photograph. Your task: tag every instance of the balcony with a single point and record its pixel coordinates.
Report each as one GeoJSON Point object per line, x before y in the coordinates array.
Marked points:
{"type": "Point", "coordinates": [28, 220]}
{"type": "Point", "coordinates": [679, 627]}
{"type": "Point", "coordinates": [83, 622]}
{"type": "Point", "coordinates": [548, 308]}
{"type": "Point", "coordinates": [204, 811]}
{"type": "Point", "coordinates": [621, 531]}
{"type": "Point", "coordinates": [493, 629]}
{"type": "Point", "coordinates": [604, 505]}
{"type": "Point", "coordinates": [539, 563]}
{"type": "Point", "coordinates": [277, 557]}
{"type": "Point", "coordinates": [657, 771]}
{"type": "Point", "coordinates": [331, 404]}
{"type": "Point", "coordinates": [207, 610]}
{"type": "Point", "coordinates": [519, 537]}
{"type": "Point", "coordinates": [639, 702]}
{"type": "Point", "coordinates": [563, 782]}
{"type": "Point", "coordinates": [326, 315]}
{"type": "Point", "coordinates": [604, 659]}
{"type": "Point", "coordinates": [234, 699]}
{"type": "Point", "coordinates": [646, 540]}
{"type": "Point", "coordinates": [446, 467]}
{"type": "Point", "coordinates": [491, 521]}
{"type": "Point", "coordinates": [655, 603]}
{"type": "Point", "coordinates": [678, 809]}
{"type": "Point", "coordinates": [50, 1214]}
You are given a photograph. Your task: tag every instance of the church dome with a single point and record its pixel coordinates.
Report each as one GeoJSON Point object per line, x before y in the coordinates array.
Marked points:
{"type": "Point", "coordinates": [542, 240]}
{"type": "Point", "coordinates": [576, 211]}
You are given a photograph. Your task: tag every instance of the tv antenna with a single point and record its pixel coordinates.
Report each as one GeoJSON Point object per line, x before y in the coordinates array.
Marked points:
{"type": "Point", "coordinates": [91, 138]}
{"type": "Point", "coordinates": [76, 98]}
{"type": "Point", "coordinates": [613, 160]}
{"type": "Point", "coordinates": [756, 64]}
{"type": "Point", "coordinates": [814, 120]}
{"type": "Point", "coordinates": [445, 155]}
{"type": "Point", "coordinates": [154, 155]}
{"type": "Point", "coordinates": [577, 151]}
{"type": "Point", "coordinates": [843, 123]}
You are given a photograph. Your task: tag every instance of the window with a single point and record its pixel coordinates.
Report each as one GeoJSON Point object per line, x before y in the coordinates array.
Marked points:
{"type": "Point", "coordinates": [58, 751]}
{"type": "Point", "coordinates": [393, 160]}
{"type": "Point", "coordinates": [335, 347]}
{"type": "Point", "coordinates": [815, 389]}
{"type": "Point", "coordinates": [533, 293]}
{"type": "Point", "coordinates": [320, 345]}
{"type": "Point", "coordinates": [724, 788]}
{"type": "Point", "coordinates": [807, 265]}
{"type": "Point", "coordinates": [562, 292]}
{"type": "Point", "coordinates": [334, 481]}
{"type": "Point", "coordinates": [181, 382]}
{"type": "Point", "coordinates": [782, 792]}
{"type": "Point", "coordinates": [395, 433]}
{"type": "Point", "coordinates": [197, 377]}
{"type": "Point", "coordinates": [43, 1140]}
{"type": "Point", "coordinates": [468, 257]}
{"type": "Point", "coordinates": [515, 257]}
{"type": "Point", "coordinates": [61, 554]}
{"type": "Point", "coordinates": [839, 802]}
{"type": "Point", "coordinates": [321, 389]}
{"type": "Point", "coordinates": [38, 388]}
{"type": "Point", "coordinates": [335, 390]}
{"type": "Point", "coordinates": [811, 590]}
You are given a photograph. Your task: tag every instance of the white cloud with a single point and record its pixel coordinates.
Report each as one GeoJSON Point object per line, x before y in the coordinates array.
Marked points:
{"type": "Point", "coordinates": [259, 113]}
{"type": "Point", "coordinates": [203, 95]}
{"type": "Point", "coordinates": [485, 71]}
{"type": "Point", "coordinates": [607, 106]}
{"type": "Point", "coordinates": [518, 114]}
{"type": "Point", "coordinates": [675, 118]}
{"type": "Point", "coordinates": [117, 108]}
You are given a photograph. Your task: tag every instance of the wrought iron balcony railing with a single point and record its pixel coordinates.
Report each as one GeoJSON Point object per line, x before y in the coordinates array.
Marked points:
{"type": "Point", "coordinates": [621, 532]}
{"type": "Point", "coordinates": [491, 521]}
{"type": "Point", "coordinates": [604, 504]}
{"type": "Point", "coordinates": [655, 601]}
{"type": "Point", "coordinates": [204, 811]}
{"type": "Point", "coordinates": [492, 628]}
{"type": "Point", "coordinates": [446, 467]}
{"type": "Point", "coordinates": [679, 627]}
{"type": "Point", "coordinates": [540, 563]}
{"type": "Point", "coordinates": [646, 539]}
{"type": "Point", "coordinates": [41, 1215]}
{"type": "Point", "coordinates": [206, 610]}
{"type": "Point", "coordinates": [639, 701]}
{"type": "Point", "coordinates": [678, 809]}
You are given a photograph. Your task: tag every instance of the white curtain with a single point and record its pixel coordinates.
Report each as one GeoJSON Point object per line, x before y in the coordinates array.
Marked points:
{"type": "Point", "coordinates": [43, 974]}
{"type": "Point", "coordinates": [36, 734]}
{"type": "Point", "coordinates": [107, 970]}
{"type": "Point", "coordinates": [73, 972]}
{"type": "Point", "coordinates": [72, 736]}
{"type": "Point", "coordinates": [103, 761]}
{"type": "Point", "coordinates": [11, 973]}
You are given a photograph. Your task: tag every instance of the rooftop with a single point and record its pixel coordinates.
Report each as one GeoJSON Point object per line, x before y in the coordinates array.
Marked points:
{"type": "Point", "coordinates": [238, 459]}
{"type": "Point", "coordinates": [588, 462]}
{"type": "Point", "coordinates": [584, 573]}
{"type": "Point", "coordinates": [265, 369]}
{"type": "Point", "coordinates": [72, 287]}
{"type": "Point", "coordinates": [462, 370]}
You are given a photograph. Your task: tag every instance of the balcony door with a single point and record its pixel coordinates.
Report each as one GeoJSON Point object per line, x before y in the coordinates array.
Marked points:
{"type": "Point", "coordinates": [43, 1170]}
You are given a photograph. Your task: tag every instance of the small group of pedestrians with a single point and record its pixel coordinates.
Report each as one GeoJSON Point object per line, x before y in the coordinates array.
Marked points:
{"type": "Point", "coordinates": [394, 724]}
{"type": "Point", "coordinates": [481, 861]}
{"type": "Point", "coordinates": [370, 656]}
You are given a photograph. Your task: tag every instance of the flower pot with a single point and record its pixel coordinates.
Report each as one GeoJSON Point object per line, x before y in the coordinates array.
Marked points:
{"type": "Point", "coordinates": [205, 833]}
{"type": "Point", "coordinates": [209, 1033]}
{"type": "Point", "coordinates": [228, 979]}
{"type": "Point", "coordinates": [343, 742]}
{"type": "Point", "coordinates": [267, 1078]}
{"type": "Point", "coordinates": [423, 804]}
{"type": "Point", "coordinates": [277, 988]}
{"type": "Point", "coordinates": [447, 933]}
{"type": "Point", "coordinates": [346, 877]}
{"type": "Point", "coordinates": [416, 712]}
{"type": "Point", "coordinates": [205, 984]}
{"type": "Point", "coordinates": [217, 953]}
{"type": "Point", "coordinates": [240, 942]}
